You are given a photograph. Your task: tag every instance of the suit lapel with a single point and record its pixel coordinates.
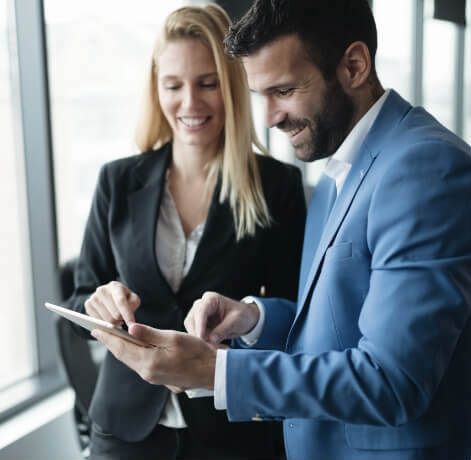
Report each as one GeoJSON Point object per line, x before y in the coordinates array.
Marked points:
{"type": "Point", "coordinates": [355, 177]}
{"type": "Point", "coordinates": [391, 114]}
{"type": "Point", "coordinates": [320, 207]}
{"type": "Point", "coordinates": [219, 229]}
{"type": "Point", "coordinates": [144, 205]}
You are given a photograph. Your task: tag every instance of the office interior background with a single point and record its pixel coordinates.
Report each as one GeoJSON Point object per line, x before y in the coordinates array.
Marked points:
{"type": "Point", "coordinates": [71, 76]}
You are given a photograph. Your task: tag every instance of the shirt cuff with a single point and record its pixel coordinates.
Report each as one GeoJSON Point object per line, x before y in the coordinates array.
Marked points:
{"type": "Point", "coordinates": [220, 402]}
{"type": "Point", "coordinates": [220, 397]}
{"type": "Point", "coordinates": [199, 393]}
{"type": "Point", "coordinates": [252, 337]}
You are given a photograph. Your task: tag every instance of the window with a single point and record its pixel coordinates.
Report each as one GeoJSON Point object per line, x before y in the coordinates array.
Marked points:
{"type": "Point", "coordinates": [258, 116]}
{"type": "Point", "coordinates": [98, 56]}
{"type": "Point", "coordinates": [395, 39]}
{"type": "Point", "coordinates": [17, 355]}
{"type": "Point", "coordinates": [439, 66]}
{"type": "Point", "coordinates": [467, 81]}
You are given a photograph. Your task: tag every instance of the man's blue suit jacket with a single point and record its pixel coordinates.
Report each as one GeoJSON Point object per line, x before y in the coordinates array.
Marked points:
{"type": "Point", "coordinates": [374, 360]}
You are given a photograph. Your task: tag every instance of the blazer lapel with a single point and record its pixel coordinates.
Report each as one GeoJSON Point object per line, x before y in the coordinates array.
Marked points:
{"type": "Point", "coordinates": [144, 205]}
{"type": "Point", "coordinates": [391, 114]}
{"type": "Point", "coordinates": [219, 229]}
{"type": "Point", "coordinates": [354, 179]}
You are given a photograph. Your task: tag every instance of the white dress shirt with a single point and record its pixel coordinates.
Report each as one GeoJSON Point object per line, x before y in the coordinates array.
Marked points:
{"type": "Point", "coordinates": [337, 167]}
{"type": "Point", "coordinates": [175, 254]}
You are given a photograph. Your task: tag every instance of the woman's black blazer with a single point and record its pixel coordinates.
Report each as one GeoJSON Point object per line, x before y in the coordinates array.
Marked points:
{"type": "Point", "coordinates": [119, 244]}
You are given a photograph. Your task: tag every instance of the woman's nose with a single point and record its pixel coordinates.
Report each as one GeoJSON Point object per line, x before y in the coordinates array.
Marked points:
{"type": "Point", "coordinates": [191, 98]}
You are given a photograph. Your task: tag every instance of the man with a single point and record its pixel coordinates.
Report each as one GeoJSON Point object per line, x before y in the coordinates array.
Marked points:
{"type": "Point", "coordinates": [373, 360]}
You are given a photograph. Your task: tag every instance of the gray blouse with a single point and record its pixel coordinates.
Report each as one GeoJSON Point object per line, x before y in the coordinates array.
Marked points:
{"type": "Point", "coordinates": [175, 254]}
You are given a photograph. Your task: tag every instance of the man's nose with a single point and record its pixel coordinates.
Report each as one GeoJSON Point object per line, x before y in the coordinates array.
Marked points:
{"type": "Point", "coordinates": [273, 113]}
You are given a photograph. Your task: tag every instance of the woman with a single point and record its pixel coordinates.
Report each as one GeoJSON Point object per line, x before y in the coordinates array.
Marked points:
{"type": "Point", "coordinates": [197, 211]}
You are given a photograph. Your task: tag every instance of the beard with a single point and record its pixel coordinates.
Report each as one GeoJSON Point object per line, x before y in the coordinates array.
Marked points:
{"type": "Point", "coordinates": [328, 128]}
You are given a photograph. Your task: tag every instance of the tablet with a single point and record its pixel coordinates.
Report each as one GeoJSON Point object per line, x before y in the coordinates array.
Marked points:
{"type": "Point", "coordinates": [90, 323]}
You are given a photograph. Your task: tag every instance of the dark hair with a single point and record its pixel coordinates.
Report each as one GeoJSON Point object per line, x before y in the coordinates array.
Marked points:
{"type": "Point", "coordinates": [326, 27]}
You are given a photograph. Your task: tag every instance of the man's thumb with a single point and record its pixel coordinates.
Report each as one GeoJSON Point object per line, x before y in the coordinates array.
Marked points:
{"type": "Point", "coordinates": [145, 333]}
{"type": "Point", "coordinates": [221, 332]}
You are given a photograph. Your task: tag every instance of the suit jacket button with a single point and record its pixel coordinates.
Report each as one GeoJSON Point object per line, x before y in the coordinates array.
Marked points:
{"type": "Point", "coordinates": [257, 418]}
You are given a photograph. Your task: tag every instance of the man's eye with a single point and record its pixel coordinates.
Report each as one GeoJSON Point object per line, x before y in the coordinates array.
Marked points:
{"type": "Point", "coordinates": [285, 91]}
{"type": "Point", "coordinates": [172, 87]}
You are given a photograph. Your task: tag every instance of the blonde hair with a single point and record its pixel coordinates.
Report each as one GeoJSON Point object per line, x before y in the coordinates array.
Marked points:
{"type": "Point", "coordinates": [236, 161]}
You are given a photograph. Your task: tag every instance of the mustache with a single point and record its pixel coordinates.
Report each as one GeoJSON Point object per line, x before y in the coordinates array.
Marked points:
{"type": "Point", "coordinates": [291, 124]}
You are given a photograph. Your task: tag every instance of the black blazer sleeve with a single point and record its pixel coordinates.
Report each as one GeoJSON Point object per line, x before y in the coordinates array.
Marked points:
{"type": "Point", "coordinates": [282, 252]}
{"type": "Point", "coordinates": [96, 264]}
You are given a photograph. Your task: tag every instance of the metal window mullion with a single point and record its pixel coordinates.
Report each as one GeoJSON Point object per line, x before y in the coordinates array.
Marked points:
{"type": "Point", "coordinates": [418, 54]}
{"type": "Point", "coordinates": [459, 95]}
{"type": "Point", "coordinates": [267, 138]}
{"type": "Point", "coordinates": [34, 98]}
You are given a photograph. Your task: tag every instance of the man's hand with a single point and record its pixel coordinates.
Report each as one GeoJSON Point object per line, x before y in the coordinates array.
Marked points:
{"type": "Point", "coordinates": [175, 359]}
{"type": "Point", "coordinates": [113, 302]}
{"type": "Point", "coordinates": [214, 318]}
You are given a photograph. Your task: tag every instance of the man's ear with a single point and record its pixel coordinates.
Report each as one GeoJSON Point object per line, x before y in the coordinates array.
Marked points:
{"type": "Point", "coordinates": [354, 68]}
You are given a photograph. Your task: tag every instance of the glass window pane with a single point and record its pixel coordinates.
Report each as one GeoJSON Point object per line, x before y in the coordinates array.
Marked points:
{"type": "Point", "coordinates": [98, 55]}
{"type": "Point", "coordinates": [394, 56]}
{"type": "Point", "coordinates": [280, 146]}
{"type": "Point", "coordinates": [467, 76]}
{"type": "Point", "coordinates": [439, 66]}
{"type": "Point", "coordinates": [258, 117]}
{"type": "Point", "coordinates": [17, 356]}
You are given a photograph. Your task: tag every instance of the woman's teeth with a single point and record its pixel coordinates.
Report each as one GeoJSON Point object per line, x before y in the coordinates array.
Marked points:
{"type": "Point", "coordinates": [193, 121]}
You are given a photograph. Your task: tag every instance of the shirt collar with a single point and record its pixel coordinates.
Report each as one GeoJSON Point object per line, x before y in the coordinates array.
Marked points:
{"type": "Point", "coordinates": [350, 147]}
{"type": "Point", "coordinates": [339, 164]}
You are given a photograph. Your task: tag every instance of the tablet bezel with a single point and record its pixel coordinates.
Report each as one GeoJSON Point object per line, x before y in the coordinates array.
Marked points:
{"type": "Point", "coordinates": [90, 323]}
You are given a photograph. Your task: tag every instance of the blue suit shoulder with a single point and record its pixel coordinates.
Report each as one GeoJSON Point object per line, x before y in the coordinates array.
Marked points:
{"type": "Point", "coordinates": [419, 144]}
{"type": "Point", "coordinates": [419, 127]}
{"type": "Point", "coordinates": [421, 176]}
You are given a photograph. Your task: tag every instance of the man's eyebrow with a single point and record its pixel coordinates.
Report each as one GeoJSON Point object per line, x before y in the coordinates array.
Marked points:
{"type": "Point", "coordinates": [275, 87]}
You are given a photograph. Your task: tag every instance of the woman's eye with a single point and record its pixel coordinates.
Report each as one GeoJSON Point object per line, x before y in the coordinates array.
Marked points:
{"type": "Point", "coordinates": [172, 87]}
{"type": "Point", "coordinates": [209, 84]}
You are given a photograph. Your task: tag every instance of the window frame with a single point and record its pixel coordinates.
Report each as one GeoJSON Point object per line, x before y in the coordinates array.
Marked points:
{"type": "Point", "coordinates": [33, 116]}
{"type": "Point", "coordinates": [34, 145]}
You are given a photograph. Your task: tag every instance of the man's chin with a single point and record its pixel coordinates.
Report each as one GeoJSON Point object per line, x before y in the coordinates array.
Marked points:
{"type": "Point", "coordinates": [306, 154]}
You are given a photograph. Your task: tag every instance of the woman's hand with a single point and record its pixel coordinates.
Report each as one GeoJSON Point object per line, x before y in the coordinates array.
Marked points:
{"type": "Point", "coordinates": [113, 302]}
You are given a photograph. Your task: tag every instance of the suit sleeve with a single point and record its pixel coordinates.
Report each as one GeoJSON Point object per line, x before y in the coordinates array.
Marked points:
{"type": "Point", "coordinates": [95, 265]}
{"type": "Point", "coordinates": [417, 306]}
